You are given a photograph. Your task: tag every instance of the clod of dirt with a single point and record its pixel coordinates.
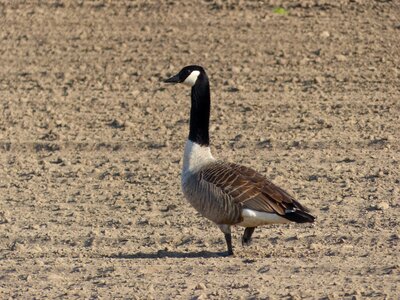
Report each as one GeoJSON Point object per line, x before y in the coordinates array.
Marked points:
{"type": "Point", "coordinates": [340, 57]}
{"type": "Point", "coordinates": [325, 34]}
{"type": "Point", "coordinates": [201, 286]}
{"type": "Point", "coordinates": [115, 123]}
{"type": "Point", "coordinates": [383, 206]}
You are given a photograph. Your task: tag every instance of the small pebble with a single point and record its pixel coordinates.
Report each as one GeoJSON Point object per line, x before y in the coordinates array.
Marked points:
{"type": "Point", "coordinates": [303, 61]}
{"type": "Point", "coordinates": [382, 206]}
{"type": "Point", "coordinates": [135, 93]}
{"type": "Point", "coordinates": [315, 247]}
{"type": "Point", "coordinates": [325, 34]}
{"type": "Point", "coordinates": [282, 61]}
{"type": "Point", "coordinates": [319, 80]}
{"type": "Point", "coordinates": [340, 57]}
{"type": "Point", "coordinates": [201, 286]}
{"type": "Point", "coordinates": [236, 70]}
{"type": "Point", "coordinates": [199, 297]}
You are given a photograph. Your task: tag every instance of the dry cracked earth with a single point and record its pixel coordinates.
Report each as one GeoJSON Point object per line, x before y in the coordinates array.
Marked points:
{"type": "Point", "coordinates": [91, 145]}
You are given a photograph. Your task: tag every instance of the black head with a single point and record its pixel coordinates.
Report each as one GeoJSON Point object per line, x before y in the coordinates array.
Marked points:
{"type": "Point", "coordinates": [188, 75]}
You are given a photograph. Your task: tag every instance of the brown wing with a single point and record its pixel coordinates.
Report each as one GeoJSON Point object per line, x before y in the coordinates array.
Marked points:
{"type": "Point", "coordinates": [250, 189]}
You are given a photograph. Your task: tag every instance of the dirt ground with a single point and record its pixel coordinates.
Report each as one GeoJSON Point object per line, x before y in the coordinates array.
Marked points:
{"type": "Point", "coordinates": [91, 147]}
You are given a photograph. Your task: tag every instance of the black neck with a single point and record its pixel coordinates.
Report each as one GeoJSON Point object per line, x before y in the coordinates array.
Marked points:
{"type": "Point", "coordinates": [200, 111]}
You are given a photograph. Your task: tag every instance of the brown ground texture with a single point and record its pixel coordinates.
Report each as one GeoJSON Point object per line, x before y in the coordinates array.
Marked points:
{"type": "Point", "coordinates": [91, 146]}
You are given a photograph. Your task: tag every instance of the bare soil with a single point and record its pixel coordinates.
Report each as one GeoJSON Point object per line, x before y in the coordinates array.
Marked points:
{"type": "Point", "coordinates": [91, 144]}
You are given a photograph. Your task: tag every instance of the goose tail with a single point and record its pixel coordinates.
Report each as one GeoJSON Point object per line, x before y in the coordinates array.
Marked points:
{"type": "Point", "coordinates": [299, 216]}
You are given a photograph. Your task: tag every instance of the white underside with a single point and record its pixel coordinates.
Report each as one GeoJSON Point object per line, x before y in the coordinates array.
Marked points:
{"type": "Point", "coordinates": [253, 218]}
{"type": "Point", "coordinates": [195, 157]}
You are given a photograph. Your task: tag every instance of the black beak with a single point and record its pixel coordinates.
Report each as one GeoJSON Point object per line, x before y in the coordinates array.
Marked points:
{"type": "Point", "coordinates": [173, 79]}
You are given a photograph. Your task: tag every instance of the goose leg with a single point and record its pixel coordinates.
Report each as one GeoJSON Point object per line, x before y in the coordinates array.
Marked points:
{"type": "Point", "coordinates": [228, 239]}
{"type": "Point", "coordinates": [226, 229]}
{"type": "Point", "coordinates": [246, 238]}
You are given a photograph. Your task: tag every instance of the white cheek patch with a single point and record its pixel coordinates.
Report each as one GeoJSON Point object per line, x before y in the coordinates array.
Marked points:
{"type": "Point", "coordinates": [191, 79]}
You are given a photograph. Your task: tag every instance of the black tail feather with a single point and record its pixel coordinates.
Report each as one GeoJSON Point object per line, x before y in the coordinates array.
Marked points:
{"type": "Point", "coordinates": [299, 216]}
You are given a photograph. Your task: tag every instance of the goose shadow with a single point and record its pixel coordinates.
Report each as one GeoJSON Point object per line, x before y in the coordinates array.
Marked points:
{"type": "Point", "coordinates": [167, 254]}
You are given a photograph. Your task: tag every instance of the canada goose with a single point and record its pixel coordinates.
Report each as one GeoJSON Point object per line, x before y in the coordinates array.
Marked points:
{"type": "Point", "coordinates": [227, 193]}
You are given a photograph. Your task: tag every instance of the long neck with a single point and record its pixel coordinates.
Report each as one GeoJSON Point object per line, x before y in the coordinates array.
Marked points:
{"type": "Point", "coordinates": [200, 112]}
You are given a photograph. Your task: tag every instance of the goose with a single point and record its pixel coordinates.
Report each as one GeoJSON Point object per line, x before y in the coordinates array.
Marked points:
{"type": "Point", "coordinates": [227, 193]}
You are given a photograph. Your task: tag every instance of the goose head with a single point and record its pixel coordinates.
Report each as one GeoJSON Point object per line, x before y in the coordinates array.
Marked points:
{"type": "Point", "coordinates": [189, 75]}
{"type": "Point", "coordinates": [195, 77]}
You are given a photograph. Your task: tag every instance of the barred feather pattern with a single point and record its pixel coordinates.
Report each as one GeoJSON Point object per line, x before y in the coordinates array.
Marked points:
{"type": "Point", "coordinates": [220, 190]}
{"type": "Point", "coordinates": [210, 200]}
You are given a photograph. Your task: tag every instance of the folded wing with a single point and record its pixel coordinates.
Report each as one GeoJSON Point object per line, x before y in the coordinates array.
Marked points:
{"type": "Point", "coordinates": [251, 190]}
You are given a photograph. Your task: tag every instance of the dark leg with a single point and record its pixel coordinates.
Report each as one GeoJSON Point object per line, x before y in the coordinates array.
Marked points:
{"type": "Point", "coordinates": [226, 229]}
{"type": "Point", "coordinates": [228, 239]}
{"type": "Point", "coordinates": [246, 238]}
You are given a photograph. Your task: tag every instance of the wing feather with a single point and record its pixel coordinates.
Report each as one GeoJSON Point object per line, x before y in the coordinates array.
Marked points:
{"type": "Point", "coordinates": [249, 189]}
